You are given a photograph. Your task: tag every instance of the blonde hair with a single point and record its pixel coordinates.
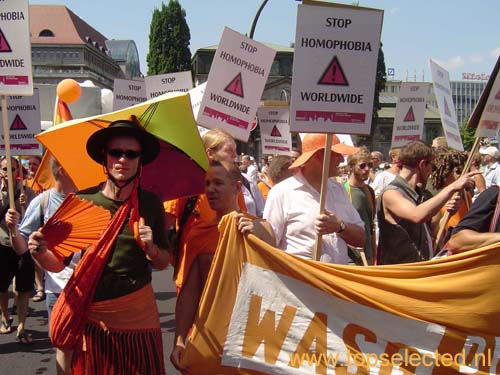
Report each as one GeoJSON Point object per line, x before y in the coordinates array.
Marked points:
{"type": "Point", "coordinates": [362, 154]}
{"type": "Point", "coordinates": [215, 138]}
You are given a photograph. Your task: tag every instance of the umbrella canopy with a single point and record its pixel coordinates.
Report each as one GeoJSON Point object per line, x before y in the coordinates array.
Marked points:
{"type": "Point", "coordinates": [178, 171]}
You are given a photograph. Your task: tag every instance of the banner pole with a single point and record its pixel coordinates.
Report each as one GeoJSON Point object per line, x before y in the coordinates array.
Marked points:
{"type": "Point", "coordinates": [446, 216]}
{"type": "Point", "coordinates": [324, 186]}
{"type": "Point", "coordinates": [10, 179]}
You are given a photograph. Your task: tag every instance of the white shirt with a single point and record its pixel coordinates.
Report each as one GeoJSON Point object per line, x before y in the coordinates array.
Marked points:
{"type": "Point", "coordinates": [492, 175]}
{"type": "Point", "coordinates": [292, 207]}
{"type": "Point", "coordinates": [382, 179]}
{"type": "Point", "coordinates": [252, 173]}
{"type": "Point", "coordinates": [254, 201]}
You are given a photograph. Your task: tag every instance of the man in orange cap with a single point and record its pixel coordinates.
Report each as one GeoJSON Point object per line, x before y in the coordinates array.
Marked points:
{"type": "Point", "coordinates": [293, 210]}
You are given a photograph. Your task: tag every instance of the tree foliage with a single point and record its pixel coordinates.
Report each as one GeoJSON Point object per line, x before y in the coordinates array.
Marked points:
{"type": "Point", "coordinates": [380, 80]}
{"type": "Point", "coordinates": [468, 136]}
{"type": "Point", "coordinates": [169, 38]}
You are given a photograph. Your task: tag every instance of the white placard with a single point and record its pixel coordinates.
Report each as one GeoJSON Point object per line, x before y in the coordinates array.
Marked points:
{"type": "Point", "coordinates": [235, 84]}
{"type": "Point", "coordinates": [16, 77]}
{"type": "Point", "coordinates": [442, 90]}
{"type": "Point", "coordinates": [274, 123]}
{"type": "Point", "coordinates": [489, 122]}
{"type": "Point", "coordinates": [410, 113]}
{"type": "Point", "coordinates": [196, 96]}
{"type": "Point", "coordinates": [334, 68]}
{"type": "Point", "coordinates": [24, 123]}
{"type": "Point", "coordinates": [160, 84]}
{"type": "Point", "coordinates": [127, 93]}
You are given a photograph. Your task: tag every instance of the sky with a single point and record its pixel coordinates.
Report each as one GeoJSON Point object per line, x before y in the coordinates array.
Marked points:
{"type": "Point", "coordinates": [461, 35]}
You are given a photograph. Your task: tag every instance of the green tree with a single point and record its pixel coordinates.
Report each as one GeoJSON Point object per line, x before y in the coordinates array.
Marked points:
{"type": "Point", "coordinates": [468, 136]}
{"type": "Point", "coordinates": [380, 80]}
{"type": "Point", "coordinates": [169, 38]}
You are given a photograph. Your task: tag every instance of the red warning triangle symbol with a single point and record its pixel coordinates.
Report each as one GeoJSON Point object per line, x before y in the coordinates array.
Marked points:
{"type": "Point", "coordinates": [410, 116]}
{"type": "Point", "coordinates": [497, 96]}
{"type": "Point", "coordinates": [4, 45]}
{"type": "Point", "coordinates": [275, 132]}
{"type": "Point", "coordinates": [333, 75]}
{"type": "Point", "coordinates": [236, 86]}
{"type": "Point", "coordinates": [18, 124]}
{"type": "Point", "coordinates": [446, 108]}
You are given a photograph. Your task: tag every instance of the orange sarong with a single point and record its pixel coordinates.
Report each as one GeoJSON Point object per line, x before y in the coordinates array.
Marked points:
{"type": "Point", "coordinates": [122, 336]}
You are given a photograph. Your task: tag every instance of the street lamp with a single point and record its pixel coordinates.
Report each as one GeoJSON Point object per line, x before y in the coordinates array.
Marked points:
{"type": "Point", "coordinates": [256, 18]}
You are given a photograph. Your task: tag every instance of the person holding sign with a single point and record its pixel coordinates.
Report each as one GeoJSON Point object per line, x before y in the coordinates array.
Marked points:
{"type": "Point", "coordinates": [406, 215]}
{"type": "Point", "coordinates": [11, 264]}
{"type": "Point", "coordinates": [292, 207]}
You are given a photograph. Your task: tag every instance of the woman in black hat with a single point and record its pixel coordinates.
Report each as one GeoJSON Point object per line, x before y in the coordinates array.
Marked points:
{"type": "Point", "coordinates": [121, 331]}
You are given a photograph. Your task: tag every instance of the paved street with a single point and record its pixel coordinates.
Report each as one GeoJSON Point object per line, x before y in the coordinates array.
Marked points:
{"type": "Point", "coordinates": [39, 358]}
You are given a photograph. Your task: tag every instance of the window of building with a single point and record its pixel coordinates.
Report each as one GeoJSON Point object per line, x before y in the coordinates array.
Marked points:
{"type": "Point", "coordinates": [46, 33]}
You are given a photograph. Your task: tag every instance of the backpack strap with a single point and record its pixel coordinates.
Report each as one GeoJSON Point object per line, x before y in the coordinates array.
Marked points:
{"type": "Point", "coordinates": [44, 204]}
{"type": "Point", "coordinates": [188, 209]}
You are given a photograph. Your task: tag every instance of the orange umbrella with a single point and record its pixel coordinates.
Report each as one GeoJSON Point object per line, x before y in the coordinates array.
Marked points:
{"type": "Point", "coordinates": [178, 171]}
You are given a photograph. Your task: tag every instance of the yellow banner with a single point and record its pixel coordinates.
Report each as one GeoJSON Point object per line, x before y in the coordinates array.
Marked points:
{"type": "Point", "coordinates": [265, 311]}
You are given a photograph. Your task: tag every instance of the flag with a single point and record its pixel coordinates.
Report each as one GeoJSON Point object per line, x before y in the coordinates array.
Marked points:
{"type": "Point", "coordinates": [43, 179]}
{"type": "Point", "coordinates": [266, 311]}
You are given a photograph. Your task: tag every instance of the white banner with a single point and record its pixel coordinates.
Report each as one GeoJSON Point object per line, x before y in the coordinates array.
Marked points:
{"type": "Point", "coordinates": [160, 84]}
{"type": "Point", "coordinates": [410, 113]}
{"type": "Point", "coordinates": [275, 133]}
{"type": "Point", "coordinates": [442, 90]}
{"type": "Point", "coordinates": [235, 84]}
{"type": "Point", "coordinates": [16, 76]}
{"type": "Point", "coordinates": [24, 123]}
{"type": "Point", "coordinates": [334, 68]}
{"type": "Point", "coordinates": [127, 93]}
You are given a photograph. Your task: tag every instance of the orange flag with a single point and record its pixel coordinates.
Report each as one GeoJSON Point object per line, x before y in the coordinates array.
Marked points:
{"type": "Point", "coordinates": [43, 179]}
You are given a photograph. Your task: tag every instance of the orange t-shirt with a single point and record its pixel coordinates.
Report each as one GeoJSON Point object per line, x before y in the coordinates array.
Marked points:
{"type": "Point", "coordinates": [200, 234]}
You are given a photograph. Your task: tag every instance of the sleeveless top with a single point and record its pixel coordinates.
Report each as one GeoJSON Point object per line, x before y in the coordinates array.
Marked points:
{"type": "Point", "coordinates": [404, 242]}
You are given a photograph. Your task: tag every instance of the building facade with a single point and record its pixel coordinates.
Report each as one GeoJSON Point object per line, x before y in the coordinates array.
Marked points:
{"type": "Point", "coordinates": [64, 46]}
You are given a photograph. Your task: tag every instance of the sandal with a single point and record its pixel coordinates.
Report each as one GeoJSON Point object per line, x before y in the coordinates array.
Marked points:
{"type": "Point", "coordinates": [6, 327]}
{"type": "Point", "coordinates": [24, 338]}
{"type": "Point", "coordinates": [39, 296]}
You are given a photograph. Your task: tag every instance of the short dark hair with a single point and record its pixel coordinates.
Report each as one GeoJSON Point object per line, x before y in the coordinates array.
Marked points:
{"type": "Point", "coordinates": [231, 168]}
{"type": "Point", "coordinates": [414, 152]}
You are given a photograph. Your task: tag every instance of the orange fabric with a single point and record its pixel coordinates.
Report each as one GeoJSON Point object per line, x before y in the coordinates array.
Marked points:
{"type": "Point", "coordinates": [264, 189]}
{"type": "Point", "coordinates": [200, 233]}
{"type": "Point", "coordinates": [63, 113]}
{"type": "Point", "coordinates": [457, 216]}
{"type": "Point", "coordinates": [71, 309]}
{"type": "Point", "coordinates": [135, 311]}
{"type": "Point", "coordinates": [43, 179]}
{"type": "Point", "coordinates": [35, 186]}
{"type": "Point", "coordinates": [127, 328]}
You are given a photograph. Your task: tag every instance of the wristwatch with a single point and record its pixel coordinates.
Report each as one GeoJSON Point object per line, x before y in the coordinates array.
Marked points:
{"type": "Point", "coordinates": [342, 226]}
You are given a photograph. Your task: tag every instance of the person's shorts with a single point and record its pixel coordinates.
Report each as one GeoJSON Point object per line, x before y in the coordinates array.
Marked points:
{"type": "Point", "coordinates": [21, 267]}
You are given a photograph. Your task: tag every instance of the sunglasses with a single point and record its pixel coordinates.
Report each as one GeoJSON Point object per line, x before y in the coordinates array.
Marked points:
{"type": "Point", "coordinates": [364, 165]}
{"type": "Point", "coordinates": [128, 154]}
{"type": "Point", "coordinates": [5, 169]}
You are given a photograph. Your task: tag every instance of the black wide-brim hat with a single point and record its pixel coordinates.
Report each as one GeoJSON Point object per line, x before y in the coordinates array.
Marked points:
{"type": "Point", "coordinates": [96, 144]}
